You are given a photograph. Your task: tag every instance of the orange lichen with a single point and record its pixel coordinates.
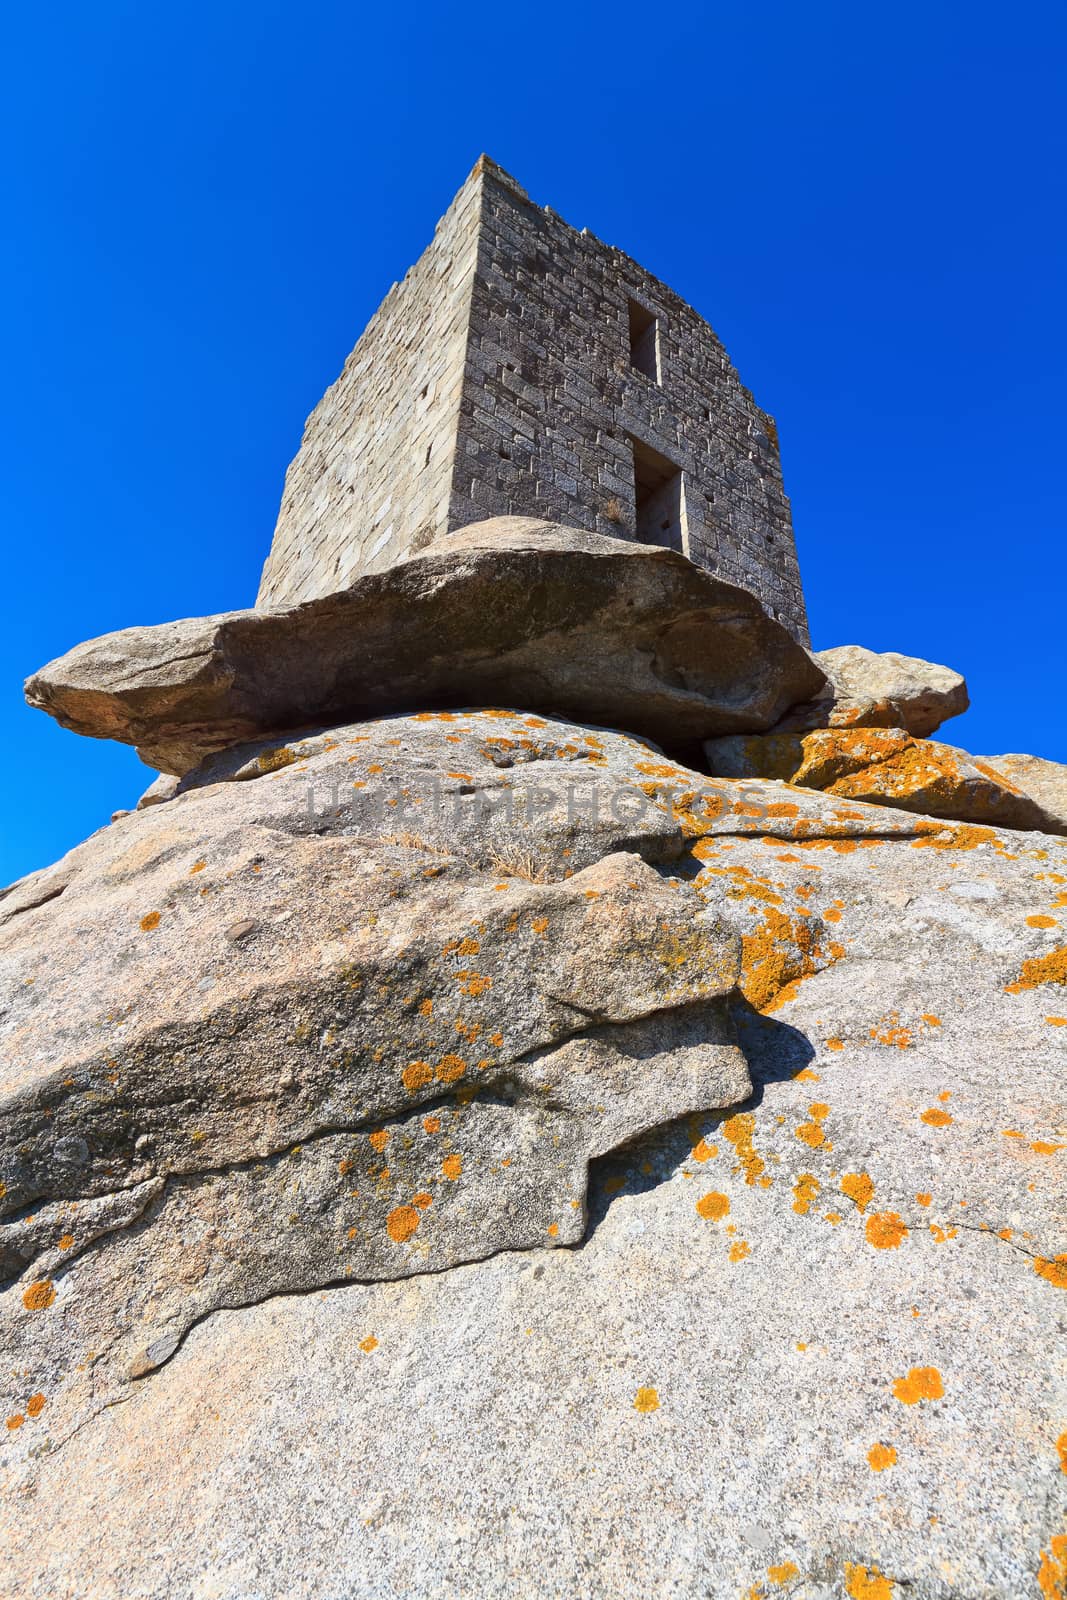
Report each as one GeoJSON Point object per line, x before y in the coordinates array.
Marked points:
{"type": "Point", "coordinates": [450, 1068]}
{"type": "Point", "coordinates": [379, 1139]}
{"type": "Point", "coordinates": [1041, 922]}
{"type": "Point", "coordinates": [35, 1404]}
{"type": "Point", "coordinates": [646, 1400]}
{"type": "Point", "coordinates": [1052, 1571]}
{"type": "Point", "coordinates": [921, 1383]}
{"type": "Point", "coordinates": [1050, 968]}
{"type": "Point", "coordinates": [867, 1583]}
{"type": "Point", "coordinates": [702, 1151]}
{"type": "Point", "coordinates": [368, 1344]}
{"type": "Point", "coordinates": [881, 1456]}
{"type": "Point", "coordinates": [713, 1206]}
{"type": "Point", "coordinates": [805, 1192]}
{"type": "Point", "coordinates": [1054, 1271]}
{"type": "Point", "coordinates": [810, 1132]}
{"type": "Point", "coordinates": [426, 1008]}
{"type": "Point", "coordinates": [740, 1250]}
{"type": "Point", "coordinates": [452, 1167]}
{"type": "Point", "coordinates": [197, 866]}
{"type": "Point", "coordinates": [401, 1223]}
{"type": "Point", "coordinates": [1061, 1451]}
{"type": "Point", "coordinates": [274, 760]}
{"type": "Point", "coordinates": [738, 1131]}
{"type": "Point", "coordinates": [423, 1200]}
{"type": "Point", "coordinates": [431, 1124]}
{"type": "Point", "coordinates": [934, 1117]}
{"type": "Point", "coordinates": [835, 1044]}
{"type": "Point", "coordinates": [923, 1199]}
{"type": "Point", "coordinates": [859, 1187]}
{"type": "Point", "coordinates": [941, 1235]}
{"type": "Point", "coordinates": [416, 1075]}
{"type": "Point", "coordinates": [1057, 1022]}
{"type": "Point", "coordinates": [886, 1230]}
{"type": "Point", "coordinates": [39, 1296]}
{"type": "Point", "coordinates": [150, 922]}
{"type": "Point", "coordinates": [775, 958]}
{"type": "Point", "coordinates": [962, 837]}
{"type": "Point", "coordinates": [892, 1033]}
{"type": "Point", "coordinates": [553, 1230]}
{"type": "Point", "coordinates": [783, 1572]}
{"type": "Point", "coordinates": [65, 1242]}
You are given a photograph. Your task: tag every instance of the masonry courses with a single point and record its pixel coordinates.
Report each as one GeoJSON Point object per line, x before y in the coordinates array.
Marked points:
{"type": "Point", "coordinates": [522, 367]}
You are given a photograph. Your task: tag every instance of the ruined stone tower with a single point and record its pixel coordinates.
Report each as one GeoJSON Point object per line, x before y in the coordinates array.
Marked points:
{"type": "Point", "coordinates": [524, 367]}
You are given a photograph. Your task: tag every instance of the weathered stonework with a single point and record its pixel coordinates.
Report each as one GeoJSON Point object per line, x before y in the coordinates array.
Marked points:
{"type": "Point", "coordinates": [522, 367]}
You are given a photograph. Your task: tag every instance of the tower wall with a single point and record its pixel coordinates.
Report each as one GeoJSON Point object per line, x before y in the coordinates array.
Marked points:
{"type": "Point", "coordinates": [524, 367]}
{"type": "Point", "coordinates": [552, 403]}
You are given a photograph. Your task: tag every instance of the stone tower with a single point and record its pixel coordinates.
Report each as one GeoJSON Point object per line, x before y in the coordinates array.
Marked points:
{"type": "Point", "coordinates": [523, 367]}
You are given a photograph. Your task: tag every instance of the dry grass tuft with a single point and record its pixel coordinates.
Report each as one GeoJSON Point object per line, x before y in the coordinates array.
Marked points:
{"type": "Point", "coordinates": [414, 841]}
{"type": "Point", "coordinates": [514, 862]}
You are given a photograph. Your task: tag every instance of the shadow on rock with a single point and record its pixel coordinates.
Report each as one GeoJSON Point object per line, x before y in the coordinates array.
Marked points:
{"type": "Point", "coordinates": [775, 1052]}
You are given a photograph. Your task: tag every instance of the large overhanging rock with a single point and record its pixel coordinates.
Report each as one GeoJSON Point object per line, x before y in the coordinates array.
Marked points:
{"type": "Point", "coordinates": [512, 611]}
{"type": "Point", "coordinates": [885, 766]}
{"type": "Point", "coordinates": [804, 1344]}
{"type": "Point", "coordinates": [868, 690]}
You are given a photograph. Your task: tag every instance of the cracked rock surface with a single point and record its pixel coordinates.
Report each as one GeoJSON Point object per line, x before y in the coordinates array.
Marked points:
{"type": "Point", "coordinates": [675, 1166]}
{"type": "Point", "coordinates": [888, 766]}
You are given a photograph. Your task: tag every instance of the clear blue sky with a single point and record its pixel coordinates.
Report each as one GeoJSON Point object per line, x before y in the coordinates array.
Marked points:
{"type": "Point", "coordinates": [207, 201]}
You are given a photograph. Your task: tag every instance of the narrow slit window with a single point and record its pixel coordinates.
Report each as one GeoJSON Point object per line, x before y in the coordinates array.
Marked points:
{"type": "Point", "coordinates": [645, 342]}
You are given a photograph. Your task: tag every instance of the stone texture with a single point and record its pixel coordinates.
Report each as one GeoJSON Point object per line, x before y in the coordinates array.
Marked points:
{"type": "Point", "coordinates": [161, 789]}
{"type": "Point", "coordinates": [497, 380]}
{"type": "Point", "coordinates": [1044, 782]}
{"type": "Point", "coordinates": [805, 1345]}
{"type": "Point", "coordinates": [868, 690]}
{"type": "Point", "coordinates": [884, 766]}
{"type": "Point", "coordinates": [514, 610]}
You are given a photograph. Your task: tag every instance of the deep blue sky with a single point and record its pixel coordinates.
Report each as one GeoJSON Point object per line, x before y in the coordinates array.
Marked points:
{"type": "Point", "coordinates": [207, 201]}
